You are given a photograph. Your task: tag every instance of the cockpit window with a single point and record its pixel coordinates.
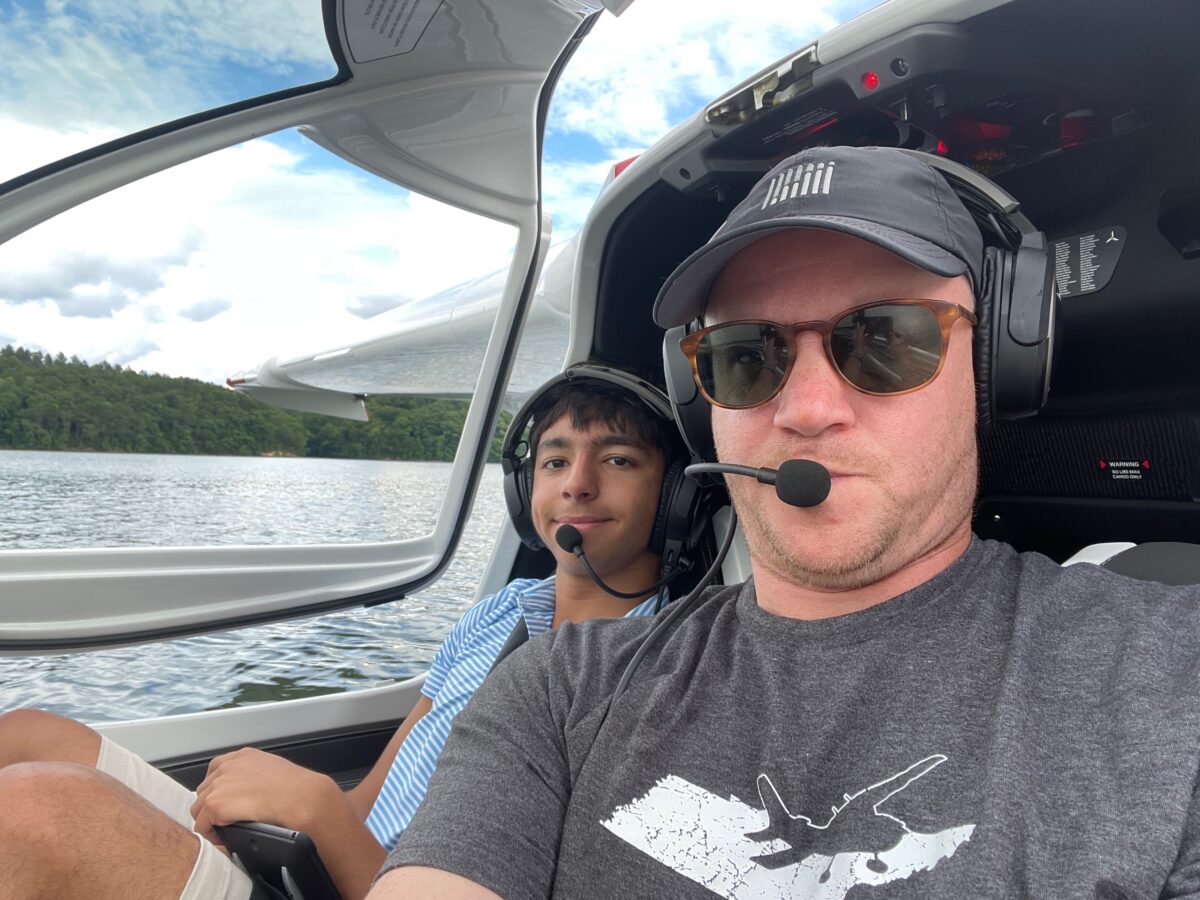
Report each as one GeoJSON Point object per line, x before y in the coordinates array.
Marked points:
{"type": "Point", "coordinates": [79, 74]}
{"type": "Point", "coordinates": [124, 317]}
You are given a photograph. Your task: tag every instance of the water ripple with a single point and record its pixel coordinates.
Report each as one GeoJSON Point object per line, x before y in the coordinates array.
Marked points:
{"type": "Point", "coordinates": [55, 500]}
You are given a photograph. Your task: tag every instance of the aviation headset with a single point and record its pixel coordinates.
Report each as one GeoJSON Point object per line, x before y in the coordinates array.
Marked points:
{"type": "Point", "coordinates": [1016, 305]}
{"type": "Point", "coordinates": [682, 509]}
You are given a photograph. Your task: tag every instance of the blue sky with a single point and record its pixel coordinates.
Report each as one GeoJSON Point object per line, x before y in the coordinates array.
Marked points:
{"type": "Point", "coordinates": [277, 245]}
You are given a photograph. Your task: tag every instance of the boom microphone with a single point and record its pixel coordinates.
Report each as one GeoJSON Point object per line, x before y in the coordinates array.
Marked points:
{"type": "Point", "coordinates": [798, 482]}
{"type": "Point", "coordinates": [569, 538]}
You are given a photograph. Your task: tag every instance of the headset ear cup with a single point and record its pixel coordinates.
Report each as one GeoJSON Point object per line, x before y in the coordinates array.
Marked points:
{"type": "Point", "coordinates": [1023, 331]}
{"type": "Point", "coordinates": [525, 480]}
{"type": "Point", "coordinates": [666, 499]}
{"type": "Point", "coordinates": [518, 497]}
{"type": "Point", "coordinates": [681, 518]}
{"type": "Point", "coordinates": [986, 306]}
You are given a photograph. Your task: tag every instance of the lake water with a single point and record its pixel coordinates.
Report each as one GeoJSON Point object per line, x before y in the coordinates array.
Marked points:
{"type": "Point", "coordinates": [75, 500]}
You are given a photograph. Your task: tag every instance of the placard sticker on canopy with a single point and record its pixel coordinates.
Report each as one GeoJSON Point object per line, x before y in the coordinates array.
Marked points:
{"type": "Point", "coordinates": [1084, 263]}
{"type": "Point", "coordinates": [811, 121]}
{"type": "Point", "coordinates": [377, 29]}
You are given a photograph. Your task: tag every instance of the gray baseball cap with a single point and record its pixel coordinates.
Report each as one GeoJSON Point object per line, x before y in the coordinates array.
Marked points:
{"type": "Point", "coordinates": [882, 195]}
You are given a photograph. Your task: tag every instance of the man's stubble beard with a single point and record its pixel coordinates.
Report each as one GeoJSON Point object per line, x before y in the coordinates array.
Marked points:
{"type": "Point", "coordinates": [893, 535]}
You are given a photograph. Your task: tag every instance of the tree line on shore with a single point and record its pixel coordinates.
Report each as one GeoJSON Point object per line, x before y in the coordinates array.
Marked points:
{"type": "Point", "coordinates": [59, 403]}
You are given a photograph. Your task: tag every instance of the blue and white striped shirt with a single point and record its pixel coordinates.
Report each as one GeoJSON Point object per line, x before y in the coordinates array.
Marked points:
{"type": "Point", "coordinates": [461, 664]}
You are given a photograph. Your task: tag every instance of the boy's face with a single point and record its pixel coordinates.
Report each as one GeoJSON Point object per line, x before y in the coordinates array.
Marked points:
{"type": "Point", "coordinates": [603, 481]}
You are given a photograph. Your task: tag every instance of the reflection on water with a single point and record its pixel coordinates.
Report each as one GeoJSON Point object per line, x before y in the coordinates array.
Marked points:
{"type": "Point", "coordinates": [54, 500]}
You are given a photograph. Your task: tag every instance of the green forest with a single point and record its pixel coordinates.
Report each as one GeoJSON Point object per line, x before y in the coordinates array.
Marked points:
{"type": "Point", "coordinates": [59, 403]}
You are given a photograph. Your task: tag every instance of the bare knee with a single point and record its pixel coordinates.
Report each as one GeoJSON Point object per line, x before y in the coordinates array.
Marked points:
{"type": "Point", "coordinates": [69, 832]}
{"type": "Point", "coordinates": [40, 801]}
{"type": "Point", "coordinates": [31, 735]}
{"type": "Point", "coordinates": [23, 842]}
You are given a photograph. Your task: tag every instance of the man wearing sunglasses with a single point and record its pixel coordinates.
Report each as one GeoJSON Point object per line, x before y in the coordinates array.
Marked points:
{"type": "Point", "coordinates": [889, 702]}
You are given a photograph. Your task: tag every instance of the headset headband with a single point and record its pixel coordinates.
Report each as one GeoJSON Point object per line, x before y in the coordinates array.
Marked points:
{"type": "Point", "coordinates": [643, 390]}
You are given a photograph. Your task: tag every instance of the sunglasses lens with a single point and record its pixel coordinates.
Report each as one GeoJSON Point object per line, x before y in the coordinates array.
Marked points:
{"type": "Point", "coordinates": [888, 348]}
{"type": "Point", "coordinates": [742, 364]}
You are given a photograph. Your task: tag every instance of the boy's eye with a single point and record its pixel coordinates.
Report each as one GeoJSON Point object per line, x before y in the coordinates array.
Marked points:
{"type": "Point", "coordinates": [620, 461]}
{"type": "Point", "coordinates": [554, 463]}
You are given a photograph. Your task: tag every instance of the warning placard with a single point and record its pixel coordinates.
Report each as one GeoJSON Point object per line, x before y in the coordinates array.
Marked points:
{"type": "Point", "coordinates": [376, 29]}
{"type": "Point", "coordinates": [1085, 262]}
{"type": "Point", "coordinates": [810, 121]}
{"type": "Point", "coordinates": [1125, 469]}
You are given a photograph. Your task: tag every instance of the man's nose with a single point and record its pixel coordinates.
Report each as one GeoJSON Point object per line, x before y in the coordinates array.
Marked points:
{"type": "Point", "coordinates": [814, 397]}
{"type": "Point", "coordinates": [582, 480]}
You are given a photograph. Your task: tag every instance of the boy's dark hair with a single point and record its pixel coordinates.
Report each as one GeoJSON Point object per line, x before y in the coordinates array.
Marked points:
{"type": "Point", "coordinates": [589, 402]}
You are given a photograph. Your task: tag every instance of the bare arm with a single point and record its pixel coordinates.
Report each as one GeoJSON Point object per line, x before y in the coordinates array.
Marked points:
{"type": "Point", "coordinates": [258, 786]}
{"type": "Point", "coordinates": [428, 884]}
{"type": "Point", "coordinates": [348, 850]}
{"type": "Point", "coordinates": [362, 796]}
{"type": "Point", "coordinates": [250, 785]}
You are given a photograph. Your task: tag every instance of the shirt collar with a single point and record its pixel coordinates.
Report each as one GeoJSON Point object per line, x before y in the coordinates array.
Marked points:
{"type": "Point", "coordinates": [536, 604]}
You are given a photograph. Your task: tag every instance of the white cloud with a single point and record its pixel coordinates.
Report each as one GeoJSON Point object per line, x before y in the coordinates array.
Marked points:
{"type": "Point", "coordinates": [205, 309]}
{"type": "Point", "coordinates": [40, 327]}
{"type": "Point", "coordinates": [83, 283]}
{"type": "Point", "coordinates": [100, 65]}
{"type": "Point", "coordinates": [287, 243]}
{"type": "Point", "coordinates": [262, 33]}
{"type": "Point", "coordinates": [86, 80]}
{"type": "Point", "coordinates": [636, 76]}
{"type": "Point", "coordinates": [571, 189]}
{"type": "Point", "coordinates": [93, 301]}
{"type": "Point", "coordinates": [123, 356]}
{"type": "Point", "coordinates": [28, 146]}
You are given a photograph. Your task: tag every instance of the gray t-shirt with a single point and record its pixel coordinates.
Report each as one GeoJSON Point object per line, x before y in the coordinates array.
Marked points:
{"type": "Point", "coordinates": [1010, 728]}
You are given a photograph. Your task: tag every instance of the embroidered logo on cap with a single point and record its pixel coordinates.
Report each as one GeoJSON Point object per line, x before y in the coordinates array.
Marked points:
{"type": "Point", "coordinates": [799, 181]}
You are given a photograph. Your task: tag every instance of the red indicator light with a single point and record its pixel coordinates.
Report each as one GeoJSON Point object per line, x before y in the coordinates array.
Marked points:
{"type": "Point", "coordinates": [942, 148]}
{"type": "Point", "coordinates": [870, 81]}
{"type": "Point", "coordinates": [1077, 127]}
{"type": "Point", "coordinates": [822, 126]}
{"type": "Point", "coordinates": [994, 131]}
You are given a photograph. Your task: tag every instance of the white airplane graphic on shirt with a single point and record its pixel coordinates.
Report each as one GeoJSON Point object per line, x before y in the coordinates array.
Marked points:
{"type": "Point", "coordinates": [739, 852]}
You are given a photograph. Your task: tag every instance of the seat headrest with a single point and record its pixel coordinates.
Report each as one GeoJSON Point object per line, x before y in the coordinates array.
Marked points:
{"type": "Point", "coordinates": [1167, 562]}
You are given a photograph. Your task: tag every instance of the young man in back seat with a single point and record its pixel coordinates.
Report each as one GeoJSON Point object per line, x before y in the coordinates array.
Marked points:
{"type": "Point", "coordinates": [83, 817]}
